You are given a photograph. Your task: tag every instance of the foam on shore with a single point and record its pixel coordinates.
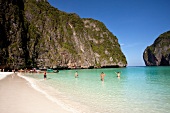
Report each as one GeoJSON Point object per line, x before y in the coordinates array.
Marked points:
{"type": "Point", "coordinates": [4, 74]}
{"type": "Point", "coordinates": [58, 102]}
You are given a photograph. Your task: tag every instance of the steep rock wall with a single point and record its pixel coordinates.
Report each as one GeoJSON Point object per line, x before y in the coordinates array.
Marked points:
{"type": "Point", "coordinates": [158, 54]}
{"type": "Point", "coordinates": [35, 34]}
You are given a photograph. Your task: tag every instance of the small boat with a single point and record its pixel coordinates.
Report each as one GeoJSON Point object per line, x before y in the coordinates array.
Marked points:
{"type": "Point", "coordinates": [52, 71]}
{"type": "Point", "coordinates": [55, 71]}
{"type": "Point", "coordinates": [49, 70]}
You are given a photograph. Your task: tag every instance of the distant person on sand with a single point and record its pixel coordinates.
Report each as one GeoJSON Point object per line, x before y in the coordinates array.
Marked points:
{"type": "Point", "coordinates": [118, 74]}
{"type": "Point", "coordinates": [76, 74]}
{"type": "Point", "coordinates": [45, 75]}
{"type": "Point", "coordinates": [14, 70]}
{"type": "Point", "coordinates": [102, 76]}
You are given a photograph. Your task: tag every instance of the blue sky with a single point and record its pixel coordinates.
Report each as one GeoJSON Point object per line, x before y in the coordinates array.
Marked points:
{"type": "Point", "coordinates": [136, 23]}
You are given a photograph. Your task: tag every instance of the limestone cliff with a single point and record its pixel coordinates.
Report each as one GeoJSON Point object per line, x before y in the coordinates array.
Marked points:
{"type": "Point", "coordinates": [158, 54]}
{"type": "Point", "coordinates": [35, 34]}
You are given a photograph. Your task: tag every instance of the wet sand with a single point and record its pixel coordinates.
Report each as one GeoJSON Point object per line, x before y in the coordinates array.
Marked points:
{"type": "Point", "coordinates": [17, 96]}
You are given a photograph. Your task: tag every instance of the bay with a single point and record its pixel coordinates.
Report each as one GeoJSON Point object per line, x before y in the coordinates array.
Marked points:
{"type": "Point", "coordinates": [138, 90]}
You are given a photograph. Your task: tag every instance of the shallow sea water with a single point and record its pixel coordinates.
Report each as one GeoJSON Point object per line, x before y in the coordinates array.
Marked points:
{"type": "Point", "coordinates": [138, 90]}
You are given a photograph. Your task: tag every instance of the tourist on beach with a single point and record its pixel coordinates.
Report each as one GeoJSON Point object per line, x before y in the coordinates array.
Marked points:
{"type": "Point", "coordinates": [102, 76]}
{"type": "Point", "coordinates": [45, 75]}
{"type": "Point", "coordinates": [118, 74]}
{"type": "Point", "coordinates": [13, 70]}
{"type": "Point", "coordinates": [76, 74]}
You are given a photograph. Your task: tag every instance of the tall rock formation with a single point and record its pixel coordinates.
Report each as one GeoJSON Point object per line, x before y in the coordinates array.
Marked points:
{"type": "Point", "coordinates": [35, 34]}
{"type": "Point", "coordinates": [158, 54]}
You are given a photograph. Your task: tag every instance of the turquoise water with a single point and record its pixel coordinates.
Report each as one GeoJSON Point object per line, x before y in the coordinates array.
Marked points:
{"type": "Point", "coordinates": [138, 90]}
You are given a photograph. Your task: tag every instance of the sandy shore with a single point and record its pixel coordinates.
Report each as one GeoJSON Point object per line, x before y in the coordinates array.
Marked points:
{"type": "Point", "coordinates": [4, 74]}
{"type": "Point", "coordinates": [17, 96]}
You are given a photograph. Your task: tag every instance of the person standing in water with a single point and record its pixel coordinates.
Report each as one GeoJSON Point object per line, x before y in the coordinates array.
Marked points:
{"type": "Point", "coordinates": [118, 74]}
{"type": "Point", "coordinates": [76, 74]}
{"type": "Point", "coordinates": [102, 76]}
{"type": "Point", "coordinates": [45, 75]}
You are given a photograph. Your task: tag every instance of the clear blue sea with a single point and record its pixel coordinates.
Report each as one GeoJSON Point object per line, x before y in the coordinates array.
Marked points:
{"type": "Point", "coordinates": [138, 90]}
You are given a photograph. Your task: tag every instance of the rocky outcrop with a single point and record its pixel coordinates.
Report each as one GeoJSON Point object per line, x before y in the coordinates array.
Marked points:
{"type": "Point", "coordinates": [158, 54]}
{"type": "Point", "coordinates": [35, 34]}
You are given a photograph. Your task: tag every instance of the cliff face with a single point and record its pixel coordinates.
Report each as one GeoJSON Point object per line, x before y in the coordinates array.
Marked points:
{"type": "Point", "coordinates": [13, 34]}
{"type": "Point", "coordinates": [158, 54]}
{"type": "Point", "coordinates": [35, 34]}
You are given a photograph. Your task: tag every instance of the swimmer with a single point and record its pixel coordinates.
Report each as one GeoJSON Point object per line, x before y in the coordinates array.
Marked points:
{"type": "Point", "coordinates": [45, 75]}
{"type": "Point", "coordinates": [102, 76]}
{"type": "Point", "coordinates": [118, 74]}
{"type": "Point", "coordinates": [76, 74]}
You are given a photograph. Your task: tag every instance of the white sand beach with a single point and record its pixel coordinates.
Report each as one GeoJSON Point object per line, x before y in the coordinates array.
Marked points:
{"type": "Point", "coordinates": [4, 74]}
{"type": "Point", "coordinates": [17, 96]}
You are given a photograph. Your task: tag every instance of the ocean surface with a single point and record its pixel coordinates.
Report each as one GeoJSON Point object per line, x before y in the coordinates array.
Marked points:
{"type": "Point", "coordinates": [138, 90]}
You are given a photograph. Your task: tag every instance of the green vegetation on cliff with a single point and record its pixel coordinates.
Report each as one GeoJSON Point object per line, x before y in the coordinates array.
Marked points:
{"type": "Point", "coordinates": [40, 35]}
{"type": "Point", "coordinates": [158, 54]}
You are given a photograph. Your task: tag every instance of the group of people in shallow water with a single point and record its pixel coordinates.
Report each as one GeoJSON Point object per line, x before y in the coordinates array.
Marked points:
{"type": "Point", "coordinates": [102, 75]}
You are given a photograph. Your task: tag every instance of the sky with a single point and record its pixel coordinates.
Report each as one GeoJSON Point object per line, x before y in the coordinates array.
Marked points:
{"type": "Point", "coordinates": [136, 23]}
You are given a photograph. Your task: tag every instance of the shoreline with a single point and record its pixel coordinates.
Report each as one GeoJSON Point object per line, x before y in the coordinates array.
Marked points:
{"type": "Point", "coordinates": [5, 74]}
{"type": "Point", "coordinates": [18, 96]}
